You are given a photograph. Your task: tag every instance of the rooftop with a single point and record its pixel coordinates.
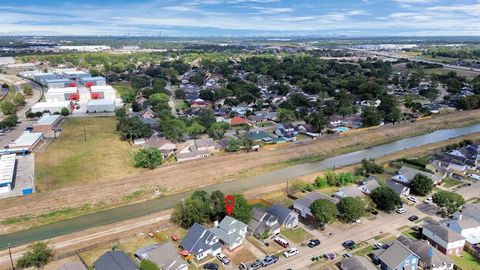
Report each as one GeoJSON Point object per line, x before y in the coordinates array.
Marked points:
{"type": "Point", "coordinates": [94, 102]}
{"type": "Point", "coordinates": [47, 119]}
{"type": "Point", "coordinates": [27, 139]}
{"type": "Point", "coordinates": [7, 168]}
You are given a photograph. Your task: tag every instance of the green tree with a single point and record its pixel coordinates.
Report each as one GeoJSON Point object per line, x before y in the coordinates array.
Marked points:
{"type": "Point", "coordinates": [217, 130]}
{"type": "Point", "coordinates": [195, 129]}
{"type": "Point", "coordinates": [37, 255]}
{"type": "Point", "coordinates": [318, 121]}
{"type": "Point", "coordinates": [241, 209]}
{"type": "Point", "coordinates": [174, 129]}
{"type": "Point", "coordinates": [351, 209]}
{"type": "Point", "coordinates": [8, 108]}
{"type": "Point", "coordinates": [190, 211]}
{"type": "Point", "coordinates": [371, 117]}
{"type": "Point", "coordinates": [206, 118]}
{"type": "Point", "coordinates": [451, 201]}
{"type": "Point", "coordinates": [370, 167]}
{"type": "Point", "coordinates": [234, 145]}
{"type": "Point", "coordinates": [27, 89]}
{"type": "Point", "coordinates": [385, 198]}
{"type": "Point", "coordinates": [64, 112]}
{"type": "Point", "coordinates": [421, 185]}
{"type": "Point", "coordinates": [148, 158]}
{"type": "Point", "coordinates": [148, 265]}
{"type": "Point", "coordinates": [19, 100]}
{"type": "Point", "coordinates": [285, 116]}
{"type": "Point", "coordinates": [158, 98]}
{"type": "Point", "coordinates": [320, 182]}
{"type": "Point", "coordinates": [324, 211]}
{"type": "Point", "coordinates": [217, 204]}
{"type": "Point", "coordinates": [132, 128]}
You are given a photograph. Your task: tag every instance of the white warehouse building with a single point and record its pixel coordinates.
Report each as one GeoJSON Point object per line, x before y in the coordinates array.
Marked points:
{"type": "Point", "coordinates": [61, 94]}
{"type": "Point", "coordinates": [7, 170]}
{"type": "Point", "coordinates": [100, 105]}
{"type": "Point", "coordinates": [57, 83]}
{"type": "Point", "coordinates": [103, 92]}
{"type": "Point", "coordinates": [91, 81]}
{"type": "Point", "coordinates": [52, 107]}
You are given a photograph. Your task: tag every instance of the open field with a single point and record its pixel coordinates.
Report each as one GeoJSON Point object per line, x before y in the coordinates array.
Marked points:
{"type": "Point", "coordinates": [70, 160]}
{"type": "Point", "coordinates": [123, 88]}
{"type": "Point", "coordinates": [464, 73]}
{"type": "Point", "coordinates": [203, 172]}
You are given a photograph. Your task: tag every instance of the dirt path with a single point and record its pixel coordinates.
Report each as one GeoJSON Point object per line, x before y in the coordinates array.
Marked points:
{"type": "Point", "coordinates": [190, 175]}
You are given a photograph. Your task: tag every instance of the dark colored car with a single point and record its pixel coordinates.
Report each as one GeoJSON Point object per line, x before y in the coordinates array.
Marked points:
{"type": "Point", "coordinates": [269, 260]}
{"type": "Point", "coordinates": [313, 243]}
{"type": "Point", "coordinates": [256, 265]}
{"type": "Point", "coordinates": [413, 218]}
{"type": "Point", "coordinates": [210, 266]}
{"type": "Point", "coordinates": [349, 244]}
{"type": "Point", "coordinates": [374, 212]}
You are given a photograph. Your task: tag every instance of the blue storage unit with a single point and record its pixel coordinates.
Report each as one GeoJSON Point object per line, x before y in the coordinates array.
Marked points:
{"type": "Point", "coordinates": [27, 191]}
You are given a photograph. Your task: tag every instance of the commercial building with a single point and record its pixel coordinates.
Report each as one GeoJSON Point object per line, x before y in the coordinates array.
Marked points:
{"type": "Point", "coordinates": [100, 105]}
{"type": "Point", "coordinates": [75, 74]}
{"type": "Point", "coordinates": [102, 92]}
{"type": "Point", "coordinates": [7, 61]}
{"type": "Point", "coordinates": [58, 83]}
{"type": "Point", "coordinates": [47, 123]}
{"type": "Point", "coordinates": [93, 81]}
{"type": "Point", "coordinates": [7, 169]}
{"type": "Point", "coordinates": [27, 141]}
{"type": "Point", "coordinates": [52, 107]}
{"type": "Point", "coordinates": [62, 94]}
{"type": "Point", "coordinates": [42, 77]}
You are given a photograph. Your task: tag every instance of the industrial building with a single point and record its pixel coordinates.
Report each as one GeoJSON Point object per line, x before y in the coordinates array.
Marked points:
{"type": "Point", "coordinates": [27, 141]}
{"type": "Point", "coordinates": [58, 83]}
{"type": "Point", "coordinates": [62, 94]}
{"type": "Point", "coordinates": [47, 123]}
{"type": "Point", "coordinates": [52, 107]}
{"type": "Point", "coordinates": [91, 81]}
{"type": "Point", "coordinates": [42, 77]}
{"type": "Point", "coordinates": [100, 105]}
{"type": "Point", "coordinates": [102, 92]}
{"type": "Point", "coordinates": [75, 74]}
{"type": "Point", "coordinates": [7, 170]}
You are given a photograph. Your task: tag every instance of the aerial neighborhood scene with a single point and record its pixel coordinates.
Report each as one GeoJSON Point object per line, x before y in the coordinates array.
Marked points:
{"type": "Point", "coordinates": [240, 134]}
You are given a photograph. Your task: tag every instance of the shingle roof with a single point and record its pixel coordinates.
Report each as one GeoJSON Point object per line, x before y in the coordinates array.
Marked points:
{"type": "Point", "coordinates": [229, 224]}
{"type": "Point", "coordinates": [164, 255]}
{"type": "Point", "coordinates": [260, 221]}
{"type": "Point", "coordinates": [357, 263]}
{"type": "Point", "coordinates": [197, 239]}
{"type": "Point", "coordinates": [472, 211]}
{"type": "Point", "coordinates": [429, 256]}
{"type": "Point", "coordinates": [283, 214]}
{"type": "Point", "coordinates": [313, 196]}
{"type": "Point", "coordinates": [441, 231]}
{"type": "Point", "coordinates": [115, 260]}
{"type": "Point", "coordinates": [395, 254]}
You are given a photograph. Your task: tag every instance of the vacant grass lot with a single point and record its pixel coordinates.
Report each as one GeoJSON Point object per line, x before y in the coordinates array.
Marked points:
{"type": "Point", "coordinates": [297, 235]}
{"type": "Point", "coordinates": [123, 88]}
{"type": "Point", "coordinates": [71, 160]}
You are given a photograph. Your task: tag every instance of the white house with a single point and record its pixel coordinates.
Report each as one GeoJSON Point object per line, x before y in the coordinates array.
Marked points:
{"type": "Point", "coordinates": [201, 242]}
{"type": "Point", "coordinates": [231, 232]}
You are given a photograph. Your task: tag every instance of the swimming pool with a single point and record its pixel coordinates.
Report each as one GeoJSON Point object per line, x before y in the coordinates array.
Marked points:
{"type": "Point", "coordinates": [342, 129]}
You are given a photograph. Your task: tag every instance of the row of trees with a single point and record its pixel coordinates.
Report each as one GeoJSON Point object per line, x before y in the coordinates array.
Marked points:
{"type": "Point", "coordinates": [349, 209]}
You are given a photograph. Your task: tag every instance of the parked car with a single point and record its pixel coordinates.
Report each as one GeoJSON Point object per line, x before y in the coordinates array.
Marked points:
{"type": "Point", "coordinates": [413, 218]}
{"type": "Point", "coordinates": [269, 260]}
{"type": "Point", "coordinates": [210, 266]}
{"type": "Point", "coordinates": [473, 176]}
{"type": "Point", "coordinates": [348, 255]}
{"type": "Point", "coordinates": [223, 258]}
{"type": "Point", "coordinates": [313, 243]}
{"type": "Point", "coordinates": [255, 265]}
{"type": "Point", "coordinates": [458, 177]}
{"type": "Point", "coordinates": [412, 199]}
{"type": "Point", "coordinates": [378, 245]}
{"type": "Point", "coordinates": [401, 210]}
{"type": "Point", "coordinates": [373, 211]}
{"type": "Point", "coordinates": [282, 242]}
{"type": "Point", "coordinates": [330, 256]}
{"type": "Point", "coordinates": [350, 244]}
{"type": "Point", "coordinates": [428, 200]}
{"type": "Point", "coordinates": [290, 252]}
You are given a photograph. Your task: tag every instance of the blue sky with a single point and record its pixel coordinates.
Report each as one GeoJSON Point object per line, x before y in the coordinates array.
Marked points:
{"type": "Point", "coordinates": [242, 17]}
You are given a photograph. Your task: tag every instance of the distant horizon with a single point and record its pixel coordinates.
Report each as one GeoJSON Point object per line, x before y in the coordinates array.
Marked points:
{"type": "Point", "coordinates": [241, 18]}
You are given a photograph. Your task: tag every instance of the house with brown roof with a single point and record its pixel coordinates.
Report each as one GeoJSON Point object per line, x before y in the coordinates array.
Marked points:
{"type": "Point", "coordinates": [165, 146]}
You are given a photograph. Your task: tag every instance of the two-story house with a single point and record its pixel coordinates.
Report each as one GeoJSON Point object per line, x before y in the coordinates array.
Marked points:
{"type": "Point", "coordinates": [285, 216]}
{"type": "Point", "coordinates": [396, 256]}
{"type": "Point", "coordinates": [200, 242]}
{"type": "Point", "coordinates": [429, 257]}
{"type": "Point", "coordinates": [443, 238]}
{"type": "Point", "coordinates": [263, 222]}
{"type": "Point", "coordinates": [467, 227]}
{"type": "Point", "coordinates": [231, 232]}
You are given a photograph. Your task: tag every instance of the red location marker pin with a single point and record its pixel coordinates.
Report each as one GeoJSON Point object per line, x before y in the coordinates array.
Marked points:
{"type": "Point", "coordinates": [229, 202]}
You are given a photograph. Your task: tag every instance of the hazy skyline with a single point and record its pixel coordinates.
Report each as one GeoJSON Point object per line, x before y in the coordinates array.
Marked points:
{"type": "Point", "coordinates": [242, 17]}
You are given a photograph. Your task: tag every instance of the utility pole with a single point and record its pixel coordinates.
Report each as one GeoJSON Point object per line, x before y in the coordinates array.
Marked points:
{"type": "Point", "coordinates": [11, 259]}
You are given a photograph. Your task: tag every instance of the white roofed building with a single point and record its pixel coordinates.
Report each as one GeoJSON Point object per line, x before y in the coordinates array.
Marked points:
{"type": "Point", "coordinates": [52, 107]}
{"type": "Point", "coordinates": [7, 169]}
{"type": "Point", "coordinates": [27, 141]}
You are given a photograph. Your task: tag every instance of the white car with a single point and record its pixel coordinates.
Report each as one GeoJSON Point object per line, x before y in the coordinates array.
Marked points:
{"type": "Point", "coordinates": [428, 200]}
{"type": "Point", "coordinates": [224, 259]}
{"type": "Point", "coordinates": [290, 252]}
{"type": "Point", "coordinates": [378, 245]}
{"type": "Point", "coordinates": [473, 176]}
{"type": "Point", "coordinates": [401, 210]}
{"type": "Point", "coordinates": [412, 199]}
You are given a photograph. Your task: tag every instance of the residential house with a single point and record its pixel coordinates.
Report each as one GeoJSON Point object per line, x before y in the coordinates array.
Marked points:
{"type": "Point", "coordinates": [469, 211]}
{"type": "Point", "coordinates": [238, 121]}
{"type": "Point", "coordinates": [199, 103]}
{"type": "Point", "coordinates": [396, 256]}
{"type": "Point", "coordinates": [260, 136]}
{"type": "Point", "coordinates": [263, 222]}
{"type": "Point", "coordinates": [400, 189]}
{"type": "Point", "coordinates": [164, 255]}
{"type": "Point", "coordinates": [429, 257]}
{"type": "Point", "coordinates": [207, 144]}
{"type": "Point", "coordinates": [406, 174]}
{"type": "Point", "coordinates": [335, 121]}
{"type": "Point", "coordinates": [286, 131]}
{"type": "Point", "coordinates": [308, 130]}
{"type": "Point", "coordinates": [356, 263]}
{"type": "Point", "coordinates": [466, 227]}
{"type": "Point", "coordinates": [456, 165]}
{"type": "Point", "coordinates": [201, 148]}
{"type": "Point", "coordinates": [261, 116]}
{"type": "Point", "coordinates": [286, 217]}
{"type": "Point", "coordinates": [231, 232]}
{"type": "Point", "coordinates": [348, 191]}
{"type": "Point", "coordinates": [440, 168]}
{"type": "Point", "coordinates": [201, 242]}
{"type": "Point", "coordinates": [165, 146]}
{"type": "Point", "coordinates": [443, 238]}
{"type": "Point", "coordinates": [369, 185]}
{"type": "Point", "coordinates": [114, 260]}
{"type": "Point", "coordinates": [148, 113]}
{"type": "Point", "coordinates": [302, 205]}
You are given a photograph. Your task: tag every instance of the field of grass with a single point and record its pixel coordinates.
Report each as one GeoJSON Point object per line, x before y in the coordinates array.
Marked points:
{"type": "Point", "coordinates": [181, 105]}
{"type": "Point", "coordinates": [466, 261]}
{"type": "Point", "coordinates": [71, 160]}
{"type": "Point", "coordinates": [451, 182]}
{"type": "Point", "coordinates": [297, 235]}
{"type": "Point", "coordinates": [412, 234]}
{"type": "Point", "coordinates": [10, 95]}
{"type": "Point", "coordinates": [123, 88]}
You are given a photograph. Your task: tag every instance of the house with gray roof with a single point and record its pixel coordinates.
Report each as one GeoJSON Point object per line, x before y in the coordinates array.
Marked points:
{"type": "Point", "coordinates": [200, 242]}
{"type": "Point", "coordinates": [429, 257]}
{"type": "Point", "coordinates": [369, 185]}
{"type": "Point", "coordinates": [231, 232]}
{"type": "Point", "coordinates": [469, 211]}
{"type": "Point", "coordinates": [399, 188]}
{"type": "Point", "coordinates": [286, 217]}
{"type": "Point", "coordinates": [302, 205]}
{"type": "Point", "coordinates": [406, 174]}
{"type": "Point", "coordinates": [356, 263]}
{"type": "Point", "coordinates": [114, 260]}
{"type": "Point", "coordinates": [164, 255]}
{"type": "Point", "coordinates": [348, 191]}
{"type": "Point", "coordinates": [263, 222]}
{"type": "Point", "coordinates": [396, 256]}
{"type": "Point", "coordinates": [467, 227]}
{"type": "Point", "coordinates": [443, 238]}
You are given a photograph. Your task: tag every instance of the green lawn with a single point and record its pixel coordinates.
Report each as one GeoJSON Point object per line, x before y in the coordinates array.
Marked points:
{"type": "Point", "coordinates": [451, 182]}
{"type": "Point", "coordinates": [364, 251]}
{"type": "Point", "coordinates": [123, 88]}
{"type": "Point", "coordinates": [412, 234]}
{"type": "Point", "coordinates": [466, 261]}
{"type": "Point", "coordinates": [297, 235]}
{"type": "Point", "coordinates": [10, 95]}
{"type": "Point", "coordinates": [181, 105]}
{"type": "Point", "coordinates": [71, 160]}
